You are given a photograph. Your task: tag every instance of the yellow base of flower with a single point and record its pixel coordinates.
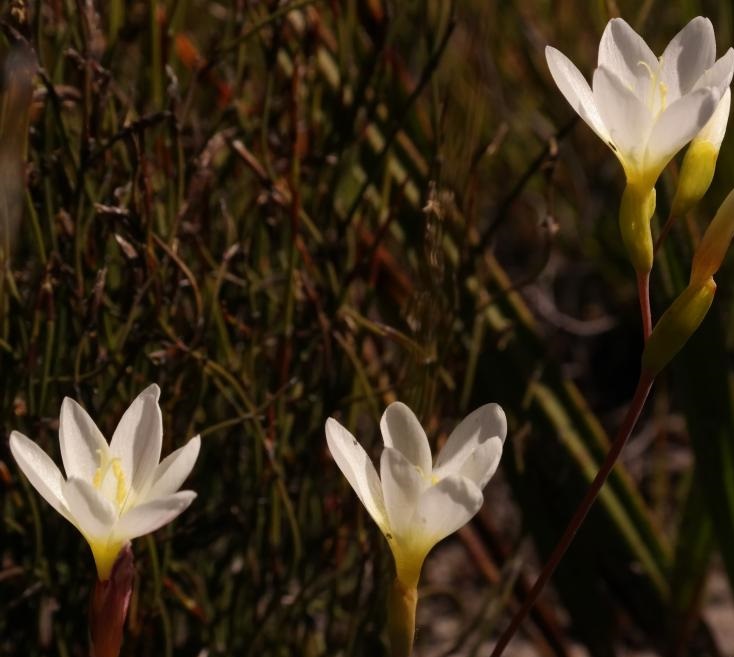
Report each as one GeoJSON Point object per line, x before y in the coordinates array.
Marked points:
{"type": "Point", "coordinates": [408, 562]}
{"type": "Point", "coordinates": [105, 553]}
{"type": "Point", "coordinates": [635, 212]}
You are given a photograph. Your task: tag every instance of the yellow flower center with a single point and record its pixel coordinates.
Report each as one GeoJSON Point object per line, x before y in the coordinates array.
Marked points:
{"type": "Point", "coordinates": [432, 480]}
{"type": "Point", "coordinates": [658, 93]}
{"type": "Point", "coordinates": [99, 476]}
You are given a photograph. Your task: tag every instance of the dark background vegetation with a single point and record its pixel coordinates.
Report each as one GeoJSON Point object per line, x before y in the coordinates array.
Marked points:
{"type": "Point", "coordinates": [281, 211]}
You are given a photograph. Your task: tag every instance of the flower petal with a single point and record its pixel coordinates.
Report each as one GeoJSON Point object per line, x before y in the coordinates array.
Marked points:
{"type": "Point", "coordinates": [715, 129]}
{"type": "Point", "coordinates": [444, 508]}
{"type": "Point", "coordinates": [719, 75]}
{"type": "Point", "coordinates": [152, 515]}
{"type": "Point", "coordinates": [575, 89]}
{"type": "Point", "coordinates": [173, 470]}
{"type": "Point", "coordinates": [402, 485]}
{"type": "Point", "coordinates": [358, 469]}
{"type": "Point", "coordinates": [475, 429]}
{"type": "Point", "coordinates": [40, 470]}
{"type": "Point", "coordinates": [626, 118]}
{"type": "Point", "coordinates": [482, 463]}
{"type": "Point", "coordinates": [625, 54]}
{"type": "Point", "coordinates": [93, 515]}
{"type": "Point", "coordinates": [678, 124]}
{"type": "Point", "coordinates": [688, 55]}
{"type": "Point", "coordinates": [400, 429]}
{"type": "Point", "coordinates": [137, 439]}
{"type": "Point", "coordinates": [83, 447]}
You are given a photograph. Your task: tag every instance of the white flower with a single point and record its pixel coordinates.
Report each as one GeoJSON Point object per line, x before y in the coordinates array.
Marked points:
{"type": "Point", "coordinates": [646, 109]}
{"type": "Point", "coordinates": [414, 502]}
{"type": "Point", "coordinates": [112, 493]}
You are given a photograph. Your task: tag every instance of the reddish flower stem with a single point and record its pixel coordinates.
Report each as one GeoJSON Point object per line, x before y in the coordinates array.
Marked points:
{"type": "Point", "coordinates": [633, 413]}
{"type": "Point", "coordinates": [643, 291]}
{"type": "Point", "coordinates": [108, 607]}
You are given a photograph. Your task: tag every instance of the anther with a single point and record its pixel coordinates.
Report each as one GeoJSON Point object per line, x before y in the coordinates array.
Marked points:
{"type": "Point", "coordinates": [121, 492]}
{"type": "Point", "coordinates": [655, 82]}
{"type": "Point", "coordinates": [101, 470]}
{"type": "Point", "coordinates": [663, 95]}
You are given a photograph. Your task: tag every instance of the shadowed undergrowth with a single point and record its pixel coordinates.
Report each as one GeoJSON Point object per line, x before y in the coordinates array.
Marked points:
{"type": "Point", "coordinates": [284, 211]}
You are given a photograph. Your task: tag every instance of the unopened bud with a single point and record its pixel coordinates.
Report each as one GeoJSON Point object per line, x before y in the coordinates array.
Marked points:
{"type": "Point", "coordinates": [714, 243]}
{"type": "Point", "coordinates": [678, 323]}
{"type": "Point", "coordinates": [635, 212]}
{"type": "Point", "coordinates": [696, 174]}
{"type": "Point", "coordinates": [699, 163]}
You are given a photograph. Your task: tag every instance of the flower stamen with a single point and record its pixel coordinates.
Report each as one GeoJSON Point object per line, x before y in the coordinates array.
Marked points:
{"type": "Point", "coordinates": [658, 89]}
{"type": "Point", "coordinates": [663, 96]}
{"type": "Point", "coordinates": [121, 492]}
{"type": "Point", "coordinates": [101, 471]}
{"type": "Point", "coordinates": [431, 480]}
{"type": "Point", "coordinates": [119, 474]}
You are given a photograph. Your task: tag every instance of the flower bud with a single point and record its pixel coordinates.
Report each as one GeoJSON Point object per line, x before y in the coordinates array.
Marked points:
{"type": "Point", "coordinates": [678, 323]}
{"type": "Point", "coordinates": [699, 163]}
{"type": "Point", "coordinates": [696, 174]}
{"type": "Point", "coordinates": [635, 212]}
{"type": "Point", "coordinates": [715, 243]}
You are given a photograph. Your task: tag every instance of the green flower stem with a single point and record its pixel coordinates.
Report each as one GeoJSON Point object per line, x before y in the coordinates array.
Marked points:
{"type": "Point", "coordinates": [635, 212]}
{"type": "Point", "coordinates": [633, 413]}
{"type": "Point", "coordinates": [401, 618]}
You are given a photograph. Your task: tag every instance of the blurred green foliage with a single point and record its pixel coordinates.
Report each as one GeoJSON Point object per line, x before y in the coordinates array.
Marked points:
{"type": "Point", "coordinates": [281, 211]}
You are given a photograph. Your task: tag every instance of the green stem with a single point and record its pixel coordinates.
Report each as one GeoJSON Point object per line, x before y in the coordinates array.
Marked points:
{"type": "Point", "coordinates": [401, 619]}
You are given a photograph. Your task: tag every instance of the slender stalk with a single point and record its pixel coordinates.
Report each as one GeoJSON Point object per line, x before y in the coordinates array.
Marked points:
{"type": "Point", "coordinates": [633, 413]}
{"type": "Point", "coordinates": [643, 291]}
{"type": "Point", "coordinates": [108, 607]}
{"type": "Point", "coordinates": [401, 619]}
{"type": "Point", "coordinates": [156, 55]}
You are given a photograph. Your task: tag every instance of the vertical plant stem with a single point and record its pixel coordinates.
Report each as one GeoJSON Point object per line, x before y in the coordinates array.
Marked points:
{"type": "Point", "coordinates": [156, 63]}
{"type": "Point", "coordinates": [116, 18]}
{"type": "Point", "coordinates": [633, 413]}
{"type": "Point", "coordinates": [109, 606]}
{"type": "Point", "coordinates": [401, 619]}
{"type": "Point", "coordinates": [643, 291]}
